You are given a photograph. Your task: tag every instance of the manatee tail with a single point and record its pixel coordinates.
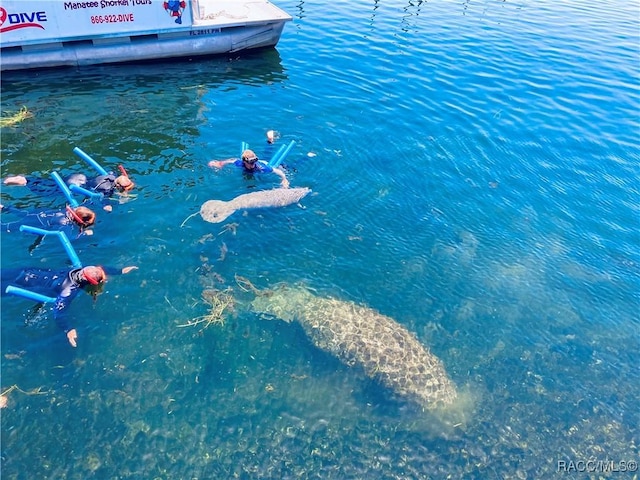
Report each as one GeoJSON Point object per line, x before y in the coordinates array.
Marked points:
{"type": "Point", "coordinates": [215, 211]}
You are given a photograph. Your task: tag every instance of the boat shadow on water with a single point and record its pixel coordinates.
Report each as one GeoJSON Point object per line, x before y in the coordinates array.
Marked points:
{"type": "Point", "coordinates": [256, 67]}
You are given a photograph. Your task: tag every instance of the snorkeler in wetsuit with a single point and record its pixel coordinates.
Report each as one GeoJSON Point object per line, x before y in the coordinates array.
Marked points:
{"type": "Point", "coordinates": [108, 185]}
{"type": "Point", "coordinates": [74, 222]}
{"type": "Point", "coordinates": [250, 164]}
{"type": "Point", "coordinates": [64, 285]}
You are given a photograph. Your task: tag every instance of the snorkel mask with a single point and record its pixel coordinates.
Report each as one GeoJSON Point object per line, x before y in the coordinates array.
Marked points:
{"type": "Point", "coordinates": [78, 219]}
{"type": "Point", "coordinates": [91, 277]}
{"type": "Point", "coordinates": [128, 186]}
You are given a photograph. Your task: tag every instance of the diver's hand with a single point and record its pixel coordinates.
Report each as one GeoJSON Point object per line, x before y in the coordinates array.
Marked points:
{"type": "Point", "coordinates": [16, 180]}
{"type": "Point", "coordinates": [126, 270]}
{"type": "Point", "coordinates": [72, 336]}
{"type": "Point", "coordinates": [215, 163]}
{"type": "Point", "coordinates": [107, 208]}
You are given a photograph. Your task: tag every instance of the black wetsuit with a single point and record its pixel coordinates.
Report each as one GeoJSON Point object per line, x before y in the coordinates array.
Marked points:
{"type": "Point", "coordinates": [45, 219]}
{"type": "Point", "coordinates": [104, 184]}
{"type": "Point", "coordinates": [64, 285]}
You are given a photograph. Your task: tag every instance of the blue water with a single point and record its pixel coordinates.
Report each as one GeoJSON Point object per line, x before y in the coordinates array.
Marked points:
{"type": "Point", "coordinates": [474, 168]}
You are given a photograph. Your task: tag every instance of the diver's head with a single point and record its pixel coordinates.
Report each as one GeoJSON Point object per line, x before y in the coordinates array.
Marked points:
{"type": "Point", "coordinates": [249, 158]}
{"type": "Point", "coordinates": [271, 136]}
{"type": "Point", "coordinates": [94, 275]}
{"type": "Point", "coordinates": [83, 216]}
{"type": "Point", "coordinates": [123, 183]}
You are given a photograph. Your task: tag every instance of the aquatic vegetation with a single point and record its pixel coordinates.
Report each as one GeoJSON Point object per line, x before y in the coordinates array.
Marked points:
{"type": "Point", "coordinates": [220, 302]}
{"type": "Point", "coordinates": [135, 429]}
{"type": "Point", "coordinates": [11, 119]}
{"type": "Point", "coordinates": [246, 285]}
{"type": "Point", "coordinates": [229, 227]}
{"type": "Point", "coordinates": [4, 396]}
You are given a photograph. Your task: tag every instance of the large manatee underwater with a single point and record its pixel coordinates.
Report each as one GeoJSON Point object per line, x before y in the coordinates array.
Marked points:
{"type": "Point", "coordinates": [358, 335]}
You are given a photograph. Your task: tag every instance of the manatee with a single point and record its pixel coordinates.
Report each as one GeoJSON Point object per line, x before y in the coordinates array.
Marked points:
{"type": "Point", "coordinates": [358, 335]}
{"type": "Point", "coordinates": [216, 211]}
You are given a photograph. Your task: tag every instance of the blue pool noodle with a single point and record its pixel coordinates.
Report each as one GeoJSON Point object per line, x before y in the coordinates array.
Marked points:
{"type": "Point", "coordinates": [90, 161]}
{"type": "Point", "coordinates": [21, 292]}
{"type": "Point", "coordinates": [73, 256]}
{"type": "Point", "coordinates": [281, 154]}
{"type": "Point", "coordinates": [65, 189]}
{"type": "Point", "coordinates": [85, 192]}
{"type": "Point", "coordinates": [277, 155]}
{"type": "Point", "coordinates": [35, 230]}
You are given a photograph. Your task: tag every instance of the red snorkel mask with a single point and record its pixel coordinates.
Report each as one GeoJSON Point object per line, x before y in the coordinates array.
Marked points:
{"type": "Point", "coordinates": [76, 218]}
{"type": "Point", "coordinates": [119, 184]}
{"type": "Point", "coordinates": [90, 278]}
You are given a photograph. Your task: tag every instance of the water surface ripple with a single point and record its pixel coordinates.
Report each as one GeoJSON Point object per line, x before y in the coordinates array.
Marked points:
{"type": "Point", "coordinates": [474, 168]}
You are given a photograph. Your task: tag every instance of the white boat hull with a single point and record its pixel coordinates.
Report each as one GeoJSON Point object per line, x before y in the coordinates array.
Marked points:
{"type": "Point", "coordinates": [31, 39]}
{"type": "Point", "coordinates": [120, 50]}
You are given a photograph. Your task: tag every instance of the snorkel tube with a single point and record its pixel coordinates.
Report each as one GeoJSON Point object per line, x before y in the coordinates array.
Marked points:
{"type": "Point", "coordinates": [76, 218]}
{"type": "Point", "coordinates": [281, 154]}
{"type": "Point", "coordinates": [90, 161]}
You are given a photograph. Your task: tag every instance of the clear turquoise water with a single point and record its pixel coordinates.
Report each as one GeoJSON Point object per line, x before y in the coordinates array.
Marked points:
{"type": "Point", "coordinates": [475, 176]}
